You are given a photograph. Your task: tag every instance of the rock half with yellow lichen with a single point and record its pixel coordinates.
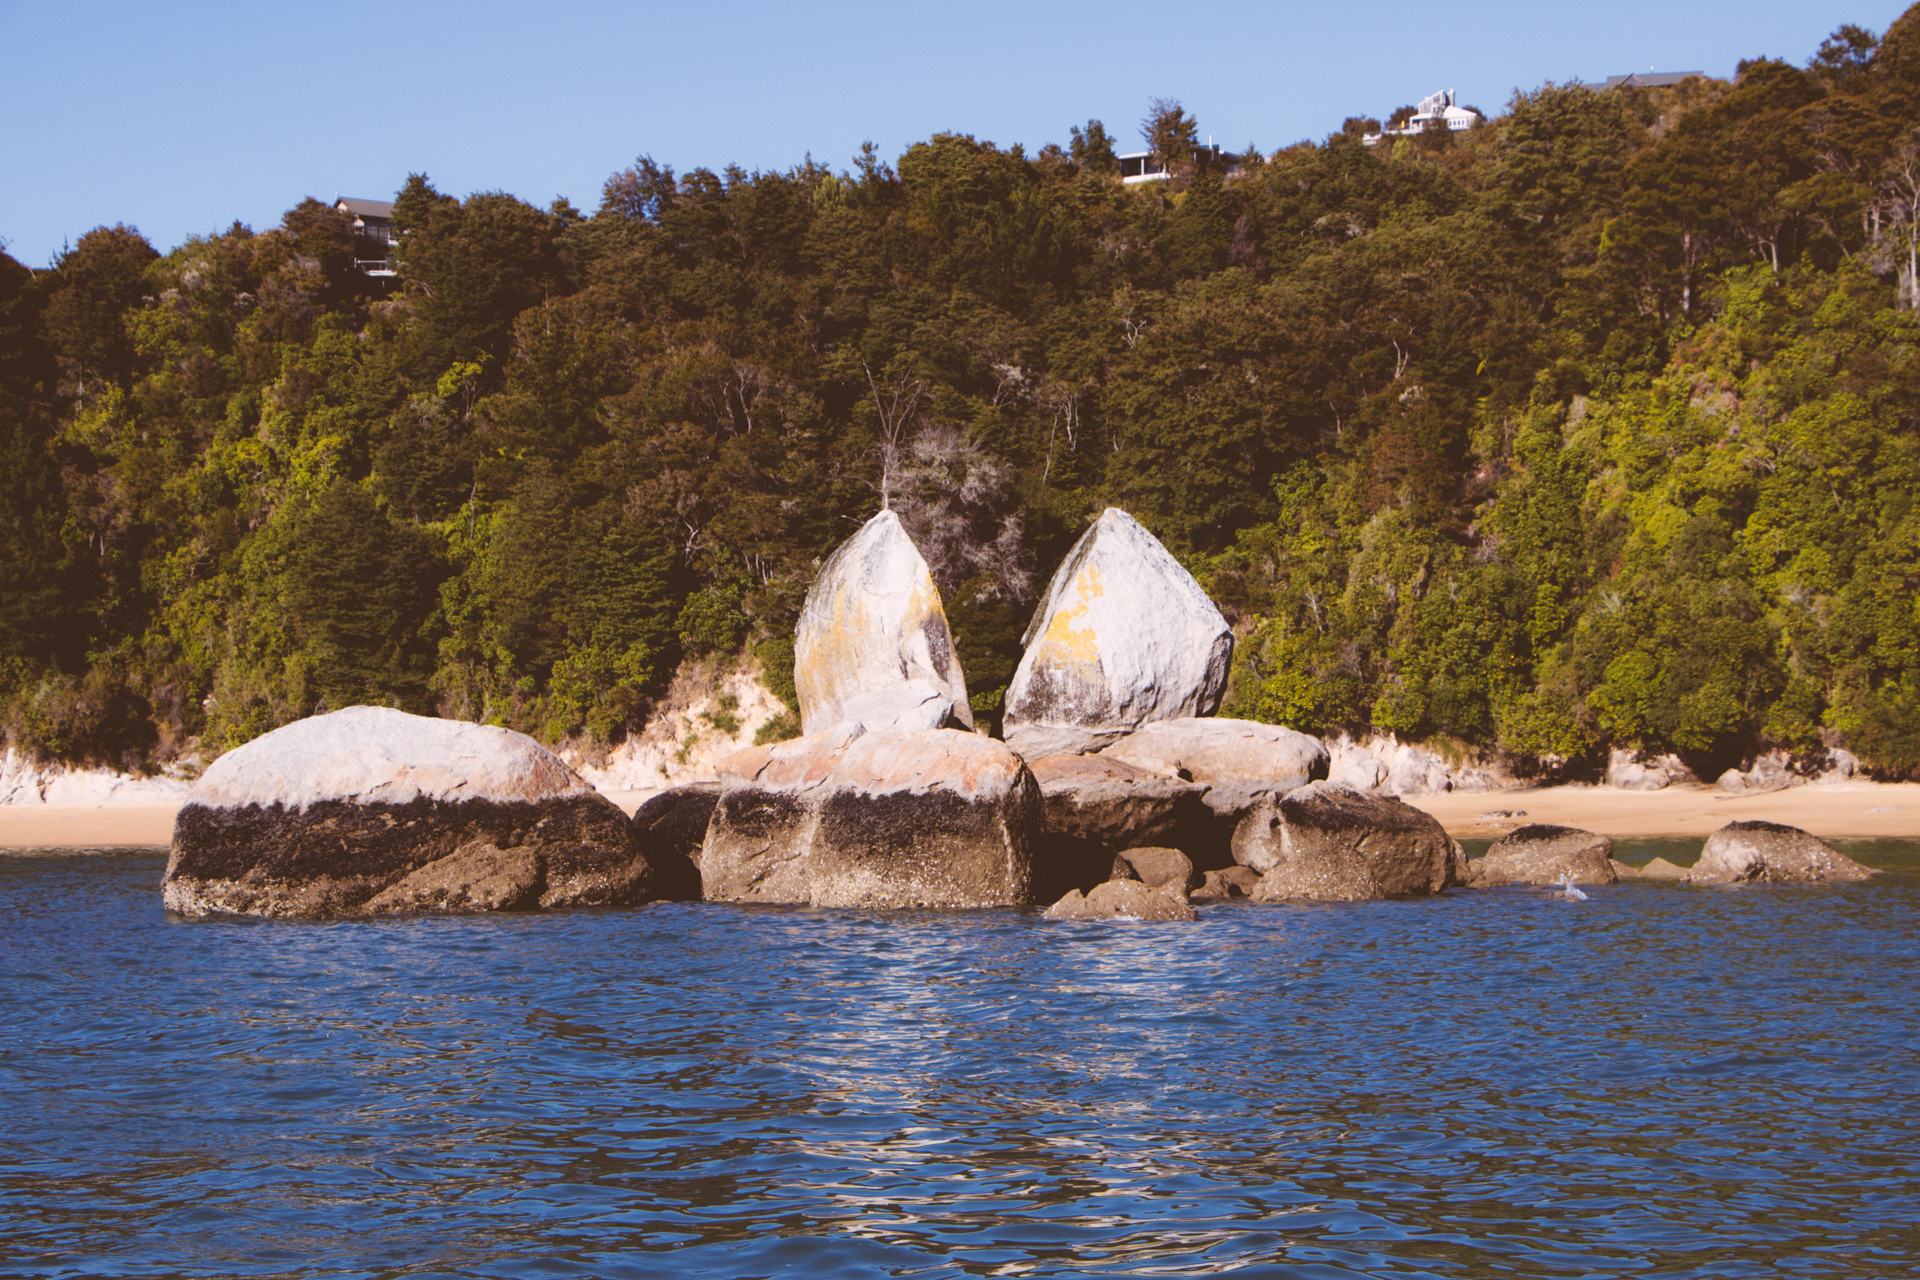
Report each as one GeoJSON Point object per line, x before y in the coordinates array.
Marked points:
{"type": "Point", "coordinates": [1123, 636]}
{"type": "Point", "coordinates": [873, 645]}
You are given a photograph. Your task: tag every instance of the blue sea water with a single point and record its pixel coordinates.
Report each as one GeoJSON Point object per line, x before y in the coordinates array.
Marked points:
{"type": "Point", "coordinates": [1658, 1082]}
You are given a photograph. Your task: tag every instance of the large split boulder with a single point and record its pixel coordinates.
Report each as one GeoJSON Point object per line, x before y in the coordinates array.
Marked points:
{"type": "Point", "coordinates": [1239, 762]}
{"type": "Point", "coordinates": [1541, 853]}
{"type": "Point", "coordinates": [370, 811]}
{"type": "Point", "coordinates": [1123, 636]}
{"type": "Point", "coordinates": [1096, 806]}
{"type": "Point", "coordinates": [1772, 853]}
{"type": "Point", "coordinates": [890, 818]}
{"type": "Point", "coordinates": [873, 646]}
{"type": "Point", "coordinates": [1330, 843]}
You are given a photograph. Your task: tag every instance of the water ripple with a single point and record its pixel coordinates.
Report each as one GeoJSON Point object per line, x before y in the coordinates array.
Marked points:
{"type": "Point", "coordinates": [1660, 1082]}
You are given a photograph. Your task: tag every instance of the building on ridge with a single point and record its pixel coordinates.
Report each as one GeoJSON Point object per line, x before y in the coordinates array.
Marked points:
{"type": "Point", "coordinates": [372, 232]}
{"type": "Point", "coordinates": [1645, 80]}
{"type": "Point", "coordinates": [1141, 166]}
{"type": "Point", "coordinates": [1436, 110]}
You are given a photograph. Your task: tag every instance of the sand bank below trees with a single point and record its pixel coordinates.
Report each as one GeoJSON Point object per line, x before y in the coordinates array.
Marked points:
{"type": "Point", "coordinates": [1832, 811]}
{"type": "Point", "coordinates": [1839, 811]}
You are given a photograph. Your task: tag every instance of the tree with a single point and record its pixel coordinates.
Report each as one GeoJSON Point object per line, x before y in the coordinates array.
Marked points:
{"type": "Point", "coordinates": [1093, 149]}
{"type": "Point", "coordinates": [1171, 135]}
{"type": "Point", "coordinates": [97, 282]}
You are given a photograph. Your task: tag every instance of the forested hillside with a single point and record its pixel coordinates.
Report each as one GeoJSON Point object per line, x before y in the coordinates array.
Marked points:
{"type": "Point", "coordinates": [1596, 425]}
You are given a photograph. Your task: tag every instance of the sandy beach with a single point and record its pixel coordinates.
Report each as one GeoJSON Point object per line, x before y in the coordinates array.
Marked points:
{"type": "Point", "coordinates": [1840, 811]}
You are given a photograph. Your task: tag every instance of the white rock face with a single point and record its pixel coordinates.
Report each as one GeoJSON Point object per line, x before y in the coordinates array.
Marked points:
{"type": "Point", "coordinates": [375, 755]}
{"type": "Point", "coordinates": [24, 783]}
{"type": "Point", "coordinates": [1122, 637]}
{"type": "Point", "coordinates": [1636, 771]}
{"type": "Point", "coordinates": [873, 643]}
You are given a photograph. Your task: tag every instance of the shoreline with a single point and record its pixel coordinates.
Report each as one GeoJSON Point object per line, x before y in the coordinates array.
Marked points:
{"type": "Point", "coordinates": [1832, 811]}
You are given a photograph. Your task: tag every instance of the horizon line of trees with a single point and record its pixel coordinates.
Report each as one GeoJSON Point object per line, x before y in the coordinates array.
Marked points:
{"type": "Point", "coordinates": [1593, 426]}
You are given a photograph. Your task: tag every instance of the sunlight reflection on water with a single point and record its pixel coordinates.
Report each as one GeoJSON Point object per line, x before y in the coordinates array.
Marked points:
{"type": "Point", "coordinates": [1661, 1081]}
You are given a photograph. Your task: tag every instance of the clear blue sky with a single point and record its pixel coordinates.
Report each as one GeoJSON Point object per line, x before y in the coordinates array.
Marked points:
{"type": "Point", "coordinates": [183, 118]}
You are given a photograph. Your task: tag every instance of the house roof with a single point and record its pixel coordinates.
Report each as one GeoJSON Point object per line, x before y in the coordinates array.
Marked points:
{"type": "Point", "coordinates": [1648, 79]}
{"type": "Point", "coordinates": [366, 208]}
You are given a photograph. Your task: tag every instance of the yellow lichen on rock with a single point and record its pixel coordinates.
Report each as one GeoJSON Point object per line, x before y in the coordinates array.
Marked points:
{"type": "Point", "coordinates": [873, 643]}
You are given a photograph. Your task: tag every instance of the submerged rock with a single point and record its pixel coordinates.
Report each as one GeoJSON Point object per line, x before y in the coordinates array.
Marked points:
{"type": "Point", "coordinates": [893, 818]}
{"type": "Point", "coordinates": [873, 645]}
{"type": "Point", "coordinates": [1122, 900]}
{"type": "Point", "coordinates": [1659, 869]}
{"type": "Point", "coordinates": [1772, 853]}
{"type": "Point", "coordinates": [1123, 636]}
{"type": "Point", "coordinates": [369, 811]}
{"type": "Point", "coordinates": [1330, 843]}
{"type": "Point", "coordinates": [1541, 853]}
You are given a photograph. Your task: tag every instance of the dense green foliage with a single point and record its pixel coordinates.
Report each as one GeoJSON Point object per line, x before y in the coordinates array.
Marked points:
{"type": "Point", "coordinates": [1595, 425]}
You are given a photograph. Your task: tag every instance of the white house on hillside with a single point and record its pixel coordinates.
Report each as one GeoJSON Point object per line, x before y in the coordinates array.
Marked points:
{"type": "Point", "coordinates": [1434, 107]}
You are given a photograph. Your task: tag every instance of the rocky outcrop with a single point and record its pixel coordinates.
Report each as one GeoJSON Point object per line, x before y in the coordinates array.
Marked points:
{"type": "Point", "coordinates": [1778, 770]}
{"type": "Point", "coordinates": [1639, 771]}
{"type": "Point", "coordinates": [1238, 761]}
{"type": "Point", "coordinates": [369, 811]}
{"type": "Point", "coordinates": [1096, 806]}
{"type": "Point", "coordinates": [1772, 853]}
{"type": "Point", "coordinates": [1541, 853]}
{"type": "Point", "coordinates": [1330, 843]}
{"type": "Point", "coordinates": [1122, 900]}
{"type": "Point", "coordinates": [1159, 868]}
{"type": "Point", "coordinates": [892, 818]}
{"type": "Point", "coordinates": [1123, 636]}
{"type": "Point", "coordinates": [1384, 765]}
{"type": "Point", "coordinates": [872, 645]}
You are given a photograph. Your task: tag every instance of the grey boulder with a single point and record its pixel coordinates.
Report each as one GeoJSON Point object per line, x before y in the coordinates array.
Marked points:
{"type": "Point", "coordinates": [1160, 868]}
{"type": "Point", "coordinates": [1772, 853]}
{"type": "Point", "coordinates": [892, 818]}
{"type": "Point", "coordinates": [371, 811]}
{"type": "Point", "coordinates": [1122, 900]}
{"type": "Point", "coordinates": [1239, 762]}
{"type": "Point", "coordinates": [1233, 882]}
{"type": "Point", "coordinates": [1123, 636]}
{"type": "Point", "coordinates": [1329, 843]}
{"type": "Point", "coordinates": [873, 645]}
{"type": "Point", "coordinates": [1541, 853]}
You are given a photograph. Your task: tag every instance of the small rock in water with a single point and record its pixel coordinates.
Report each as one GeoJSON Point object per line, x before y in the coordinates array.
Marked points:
{"type": "Point", "coordinates": [1160, 868]}
{"type": "Point", "coordinates": [1328, 843]}
{"type": "Point", "coordinates": [1544, 854]}
{"type": "Point", "coordinates": [1121, 900]}
{"type": "Point", "coordinates": [1772, 853]}
{"type": "Point", "coordinates": [1661, 869]}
